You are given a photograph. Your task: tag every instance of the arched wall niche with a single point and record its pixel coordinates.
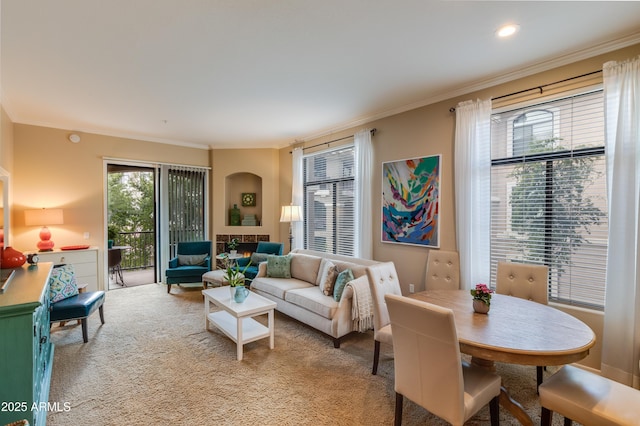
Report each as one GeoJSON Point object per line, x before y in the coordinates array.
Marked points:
{"type": "Point", "coordinates": [237, 184]}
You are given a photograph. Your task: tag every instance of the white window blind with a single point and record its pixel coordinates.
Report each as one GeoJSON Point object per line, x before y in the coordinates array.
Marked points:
{"type": "Point", "coordinates": [329, 201]}
{"type": "Point", "coordinates": [548, 194]}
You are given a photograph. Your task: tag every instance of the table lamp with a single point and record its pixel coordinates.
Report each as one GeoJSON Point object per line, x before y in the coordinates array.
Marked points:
{"type": "Point", "coordinates": [291, 214]}
{"type": "Point", "coordinates": [44, 218]}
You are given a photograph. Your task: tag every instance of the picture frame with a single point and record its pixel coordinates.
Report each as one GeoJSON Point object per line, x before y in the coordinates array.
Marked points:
{"type": "Point", "coordinates": [411, 201]}
{"type": "Point", "coordinates": [248, 199]}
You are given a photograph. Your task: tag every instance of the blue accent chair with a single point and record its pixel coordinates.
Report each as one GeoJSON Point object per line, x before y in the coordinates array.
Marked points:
{"type": "Point", "coordinates": [180, 271]}
{"type": "Point", "coordinates": [265, 248]}
{"type": "Point", "coordinates": [78, 307]}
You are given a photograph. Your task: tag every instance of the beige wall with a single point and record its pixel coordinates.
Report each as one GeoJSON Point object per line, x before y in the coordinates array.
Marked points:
{"type": "Point", "coordinates": [50, 171]}
{"type": "Point", "coordinates": [242, 163]}
{"type": "Point", "coordinates": [430, 130]}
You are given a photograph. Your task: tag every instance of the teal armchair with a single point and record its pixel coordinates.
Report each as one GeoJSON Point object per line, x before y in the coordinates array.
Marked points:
{"type": "Point", "coordinates": [193, 259]}
{"type": "Point", "coordinates": [262, 251]}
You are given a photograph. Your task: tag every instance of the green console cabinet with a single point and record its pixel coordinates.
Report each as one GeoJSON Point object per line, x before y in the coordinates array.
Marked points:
{"type": "Point", "coordinates": [26, 353]}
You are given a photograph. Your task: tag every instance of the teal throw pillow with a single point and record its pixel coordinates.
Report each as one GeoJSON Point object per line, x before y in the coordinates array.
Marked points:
{"type": "Point", "coordinates": [279, 266]}
{"type": "Point", "coordinates": [343, 278]}
{"type": "Point", "coordinates": [62, 283]}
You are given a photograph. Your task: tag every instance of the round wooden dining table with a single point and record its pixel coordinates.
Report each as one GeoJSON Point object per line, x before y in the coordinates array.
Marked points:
{"type": "Point", "coordinates": [515, 331]}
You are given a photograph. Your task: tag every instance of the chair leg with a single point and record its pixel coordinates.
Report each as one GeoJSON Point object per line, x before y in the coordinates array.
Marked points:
{"type": "Point", "coordinates": [336, 343]}
{"type": "Point", "coordinates": [494, 411]}
{"type": "Point", "coordinates": [376, 357]}
{"type": "Point", "coordinates": [85, 336]}
{"type": "Point", "coordinates": [546, 417]}
{"type": "Point", "coordinates": [538, 377]}
{"type": "Point", "coordinates": [397, 419]}
{"type": "Point", "coordinates": [567, 421]}
{"type": "Point", "coordinates": [101, 311]}
{"type": "Point", "coordinates": [168, 288]}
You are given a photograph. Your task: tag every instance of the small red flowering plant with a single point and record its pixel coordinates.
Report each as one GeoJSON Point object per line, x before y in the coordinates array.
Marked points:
{"type": "Point", "coordinates": [483, 293]}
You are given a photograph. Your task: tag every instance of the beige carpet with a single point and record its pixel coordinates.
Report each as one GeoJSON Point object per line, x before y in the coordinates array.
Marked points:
{"type": "Point", "coordinates": [154, 363]}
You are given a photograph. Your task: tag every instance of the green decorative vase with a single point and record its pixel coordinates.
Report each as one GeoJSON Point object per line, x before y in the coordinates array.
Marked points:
{"type": "Point", "coordinates": [234, 216]}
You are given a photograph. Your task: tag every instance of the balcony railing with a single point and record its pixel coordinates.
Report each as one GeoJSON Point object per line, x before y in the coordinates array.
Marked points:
{"type": "Point", "coordinates": [141, 254]}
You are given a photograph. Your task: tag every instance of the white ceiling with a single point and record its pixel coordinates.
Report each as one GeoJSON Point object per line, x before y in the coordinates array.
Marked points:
{"type": "Point", "coordinates": [264, 73]}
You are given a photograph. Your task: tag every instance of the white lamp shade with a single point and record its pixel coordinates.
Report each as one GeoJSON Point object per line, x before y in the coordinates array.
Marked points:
{"type": "Point", "coordinates": [43, 217]}
{"type": "Point", "coordinates": [291, 214]}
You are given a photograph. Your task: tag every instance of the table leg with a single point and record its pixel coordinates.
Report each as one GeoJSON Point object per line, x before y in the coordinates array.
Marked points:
{"type": "Point", "coordinates": [239, 343]}
{"type": "Point", "coordinates": [508, 403]}
{"type": "Point", "coordinates": [206, 313]}
{"type": "Point", "coordinates": [271, 330]}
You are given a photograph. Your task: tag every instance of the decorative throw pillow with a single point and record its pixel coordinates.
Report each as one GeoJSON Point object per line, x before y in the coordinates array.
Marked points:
{"type": "Point", "coordinates": [258, 258]}
{"type": "Point", "coordinates": [328, 276]}
{"type": "Point", "coordinates": [343, 278]}
{"type": "Point", "coordinates": [279, 266]}
{"type": "Point", "coordinates": [191, 259]}
{"type": "Point", "coordinates": [62, 283]}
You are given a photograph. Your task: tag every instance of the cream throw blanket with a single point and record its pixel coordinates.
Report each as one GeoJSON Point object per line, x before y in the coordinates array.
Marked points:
{"type": "Point", "coordinates": [361, 305]}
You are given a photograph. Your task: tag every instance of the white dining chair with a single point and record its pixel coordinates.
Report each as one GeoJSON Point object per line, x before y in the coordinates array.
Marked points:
{"type": "Point", "coordinates": [383, 279]}
{"type": "Point", "coordinates": [588, 398]}
{"type": "Point", "coordinates": [428, 367]}
{"type": "Point", "coordinates": [443, 270]}
{"type": "Point", "coordinates": [525, 281]}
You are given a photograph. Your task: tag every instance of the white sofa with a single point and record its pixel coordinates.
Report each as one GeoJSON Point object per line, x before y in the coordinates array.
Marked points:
{"type": "Point", "coordinates": [301, 298]}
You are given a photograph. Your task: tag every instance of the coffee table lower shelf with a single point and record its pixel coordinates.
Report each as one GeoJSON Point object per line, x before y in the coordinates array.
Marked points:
{"type": "Point", "coordinates": [251, 330]}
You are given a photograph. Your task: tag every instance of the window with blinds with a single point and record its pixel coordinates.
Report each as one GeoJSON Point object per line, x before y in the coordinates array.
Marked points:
{"type": "Point", "coordinates": [548, 194]}
{"type": "Point", "coordinates": [186, 190]}
{"type": "Point", "coordinates": [329, 201]}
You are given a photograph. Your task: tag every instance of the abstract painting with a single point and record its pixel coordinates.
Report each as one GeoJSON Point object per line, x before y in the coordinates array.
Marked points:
{"type": "Point", "coordinates": [411, 201]}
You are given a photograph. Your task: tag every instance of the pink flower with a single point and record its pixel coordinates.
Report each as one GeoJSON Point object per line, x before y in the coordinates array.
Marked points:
{"type": "Point", "coordinates": [482, 292]}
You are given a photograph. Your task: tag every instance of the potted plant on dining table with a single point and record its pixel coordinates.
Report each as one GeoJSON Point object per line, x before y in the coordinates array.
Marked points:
{"type": "Point", "coordinates": [481, 298]}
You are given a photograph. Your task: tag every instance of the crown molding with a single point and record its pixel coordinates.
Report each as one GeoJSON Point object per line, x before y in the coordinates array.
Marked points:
{"type": "Point", "coordinates": [556, 62]}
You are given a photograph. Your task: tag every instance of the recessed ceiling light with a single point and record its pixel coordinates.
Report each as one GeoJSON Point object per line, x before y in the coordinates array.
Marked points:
{"type": "Point", "coordinates": [507, 30]}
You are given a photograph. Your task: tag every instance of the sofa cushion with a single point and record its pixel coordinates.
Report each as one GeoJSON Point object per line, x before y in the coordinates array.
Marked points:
{"type": "Point", "coordinates": [62, 283]}
{"type": "Point", "coordinates": [279, 266]}
{"type": "Point", "coordinates": [328, 275]}
{"type": "Point", "coordinates": [191, 259]}
{"type": "Point", "coordinates": [343, 278]}
{"type": "Point", "coordinates": [312, 299]}
{"type": "Point", "coordinates": [305, 267]}
{"type": "Point", "coordinates": [277, 287]}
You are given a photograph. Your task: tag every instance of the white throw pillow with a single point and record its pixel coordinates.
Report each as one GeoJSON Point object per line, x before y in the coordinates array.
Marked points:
{"type": "Point", "coordinates": [328, 274]}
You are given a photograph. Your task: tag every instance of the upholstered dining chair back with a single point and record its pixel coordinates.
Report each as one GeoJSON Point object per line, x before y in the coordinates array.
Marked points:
{"type": "Point", "coordinates": [383, 279]}
{"type": "Point", "coordinates": [523, 280]}
{"type": "Point", "coordinates": [443, 270]}
{"type": "Point", "coordinates": [427, 365]}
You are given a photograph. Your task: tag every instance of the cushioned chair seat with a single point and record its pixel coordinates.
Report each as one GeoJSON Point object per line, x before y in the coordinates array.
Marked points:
{"type": "Point", "coordinates": [79, 307]}
{"type": "Point", "coordinates": [187, 271]}
{"type": "Point", "coordinates": [588, 398]}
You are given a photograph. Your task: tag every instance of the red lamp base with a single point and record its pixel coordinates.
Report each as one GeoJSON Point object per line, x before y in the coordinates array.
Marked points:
{"type": "Point", "coordinates": [45, 243]}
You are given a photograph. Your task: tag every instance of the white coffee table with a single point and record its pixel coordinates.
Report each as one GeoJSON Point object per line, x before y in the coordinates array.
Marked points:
{"type": "Point", "coordinates": [236, 319]}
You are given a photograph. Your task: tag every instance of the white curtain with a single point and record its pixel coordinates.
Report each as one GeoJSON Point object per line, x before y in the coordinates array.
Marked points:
{"type": "Point", "coordinates": [297, 196]}
{"type": "Point", "coordinates": [621, 340]}
{"type": "Point", "coordinates": [472, 191]}
{"type": "Point", "coordinates": [363, 185]}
